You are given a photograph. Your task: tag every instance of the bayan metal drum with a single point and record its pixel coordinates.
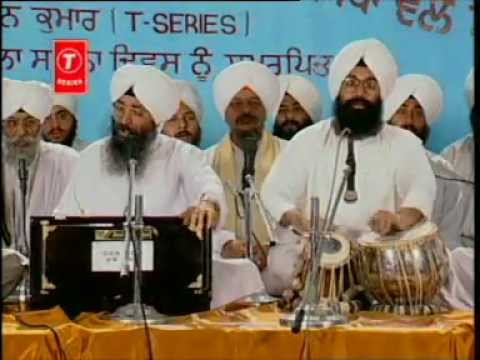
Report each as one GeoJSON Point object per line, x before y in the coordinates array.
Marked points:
{"type": "Point", "coordinates": [404, 272]}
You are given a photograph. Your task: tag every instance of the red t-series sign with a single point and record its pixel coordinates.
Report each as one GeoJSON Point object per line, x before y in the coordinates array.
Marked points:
{"type": "Point", "coordinates": [71, 66]}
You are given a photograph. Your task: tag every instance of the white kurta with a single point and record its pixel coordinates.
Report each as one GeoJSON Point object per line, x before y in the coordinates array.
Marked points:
{"type": "Point", "coordinates": [447, 208]}
{"type": "Point", "coordinates": [460, 292]}
{"type": "Point", "coordinates": [48, 176]}
{"type": "Point", "coordinates": [392, 171]}
{"type": "Point", "coordinates": [176, 177]}
{"type": "Point", "coordinates": [460, 155]}
{"type": "Point", "coordinates": [234, 278]}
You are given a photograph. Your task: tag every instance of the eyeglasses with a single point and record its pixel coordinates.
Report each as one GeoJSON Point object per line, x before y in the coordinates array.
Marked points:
{"type": "Point", "coordinates": [28, 124]}
{"type": "Point", "coordinates": [352, 83]}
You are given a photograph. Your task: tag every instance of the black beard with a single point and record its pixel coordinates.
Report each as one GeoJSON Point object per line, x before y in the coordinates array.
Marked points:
{"type": "Point", "coordinates": [362, 122]}
{"type": "Point", "coordinates": [289, 128]}
{"type": "Point", "coordinates": [68, 141]}
{"type": "Point", "coordinates": [121, 148]}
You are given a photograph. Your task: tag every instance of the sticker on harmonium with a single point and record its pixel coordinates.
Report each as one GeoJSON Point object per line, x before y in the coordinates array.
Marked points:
{"type": "Point", "coordinates": [107, 256]}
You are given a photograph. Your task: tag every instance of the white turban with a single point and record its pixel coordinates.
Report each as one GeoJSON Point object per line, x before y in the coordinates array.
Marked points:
{"type": "Point", "coordinates": [257, 77]}
{"type": "Point", "coordinates": [69, 102]}
{"type": "Point", "coordinates": [191, 97]}
{"type": "Point", "coordinates": [375, 55]}
{"type": "Point", "coordinates": [153, 88]}
{"type": "Point", "coordinates": [470, 89]}
{"type": "Point", "coordinates": [423, 88]}
{"type": "Point", "coordinates": [34, 97]}
{"type": "Point", "coordinates": [305, 92]}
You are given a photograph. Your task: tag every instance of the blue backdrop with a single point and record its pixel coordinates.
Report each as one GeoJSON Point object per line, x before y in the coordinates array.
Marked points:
{"type": "Point", "coordinates": [196, 40]}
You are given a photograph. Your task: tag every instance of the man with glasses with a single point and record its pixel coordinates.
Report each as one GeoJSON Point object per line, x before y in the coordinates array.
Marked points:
{"type": "Point", "coordinates": [394, 183]}
{"type": "Point", "coordinates": [25, 105]}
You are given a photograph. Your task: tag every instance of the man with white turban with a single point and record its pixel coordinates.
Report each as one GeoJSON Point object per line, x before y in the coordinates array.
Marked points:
{"type": "Point", "coordinates": [246, 94]}
{"type": "Point", "coordinates": [25, 105]}
{"type": "Point", "coordinates": [173, 176]}
{"type": "Point", "coordinates": [185, 124]}
{"type": "Point", "coordinates": [61, 126]}
{"type": "Point", "coordinates": [301, 106]}
{"type": "Point", "coordinates": [415, 104]}
{"type": "Point", "coordinates": [396, 189]}
{"type": "Point", "coordinates": [461, 155]}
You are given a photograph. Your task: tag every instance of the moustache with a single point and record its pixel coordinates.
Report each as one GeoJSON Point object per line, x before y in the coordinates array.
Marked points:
{"type": "Point", "coordinates": [246, 118]}
{"type": "Point", "coordinates": [357, 101]}
{"type": "Point", "coordinates": [183, 133]}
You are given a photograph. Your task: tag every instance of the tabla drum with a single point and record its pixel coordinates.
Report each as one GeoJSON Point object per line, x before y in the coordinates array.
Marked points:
{"type": "Point", "coordinates": [405, 271]}
{"type": "Point", "coordinates": [336, 277]}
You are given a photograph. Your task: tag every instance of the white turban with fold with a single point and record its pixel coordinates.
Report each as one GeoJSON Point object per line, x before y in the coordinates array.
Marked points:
{"type": "Point", "coordinates": [257, 77]}
{"type": "Point", "coordinates": [374, 54]}
{"type": "Point", "coordinates": [305, 92]}
{"type": "Point", "coordinates": [423, 88]}
{"type": "Point", "coordinates": [69, 102]}
{"type": "Point", "coordinates": [470, 88]}
{"type": "Point", "coordinates": [34, 97]}
{"type": "Point", "coordinates": [152, 87]}
{"type": "Point", "coordinates": [191, 97]}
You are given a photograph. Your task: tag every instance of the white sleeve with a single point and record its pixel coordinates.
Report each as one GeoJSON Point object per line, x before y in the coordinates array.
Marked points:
{"type": "Point", "coordinates": [219, 238]}
{"type": "Point", "coordinates": [69, 205]}
{"type": "Point", "coordinates": [200, 180]}
{"type": "Point", "coordinates": [416, 186]}
{"type": "Point", "coordinates": [448, 213]}
{"type": "Point", "coordinates": [286, 182]}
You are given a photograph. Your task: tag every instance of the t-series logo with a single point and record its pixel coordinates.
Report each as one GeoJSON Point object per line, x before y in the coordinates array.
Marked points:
{"type": "Point", "coordinates": [71, 66]}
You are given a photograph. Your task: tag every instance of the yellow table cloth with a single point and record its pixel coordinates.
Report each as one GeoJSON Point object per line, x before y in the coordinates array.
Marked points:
{"type": "Point", "coordinates": [244, 333]}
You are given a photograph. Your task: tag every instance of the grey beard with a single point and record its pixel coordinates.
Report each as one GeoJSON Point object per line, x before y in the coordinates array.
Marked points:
{"type": "Point", "coordinates": [120, 149]}
{"type": "Point", "coordinates": [13, 152]}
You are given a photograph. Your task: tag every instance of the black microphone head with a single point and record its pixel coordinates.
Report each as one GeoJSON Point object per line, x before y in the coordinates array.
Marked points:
{"type": "Point", "coordinates": [250, 142]}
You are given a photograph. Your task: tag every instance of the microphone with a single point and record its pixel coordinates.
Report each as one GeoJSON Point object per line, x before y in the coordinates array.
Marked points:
{"type": "Point", "coordinates": [23, 175]}
{"type": "Point", "coordinates": [351, 194]}
{"type": "Point", "coordinates": [249, 145]}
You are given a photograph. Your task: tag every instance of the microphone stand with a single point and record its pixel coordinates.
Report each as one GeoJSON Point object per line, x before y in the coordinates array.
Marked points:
{"type": "Point", "coordinates": [248, 193]}
{"type": "Point", "coordinates": [312, 311]}
{"type": "Point", "coordinates": [133, 228]}
{"type": "Point", "coordinates": [22, 246]}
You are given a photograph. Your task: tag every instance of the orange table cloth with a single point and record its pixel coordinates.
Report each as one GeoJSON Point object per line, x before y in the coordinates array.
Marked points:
{"type": "Point", "coordinates": [244, 333]}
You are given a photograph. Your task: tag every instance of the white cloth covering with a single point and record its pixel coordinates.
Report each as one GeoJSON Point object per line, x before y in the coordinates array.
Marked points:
{"type": "Point", "coordinates": [386, 179]}
{"type": "Point", "coordinates": [34, 97]}
{"type": "Point", "coordinates": [48, 176]}
{"type": "Point", "coordinates": [461, 156]}
{"type": "Point", "coordinates": [191, 97]}
{"type": "Point", "coordinates": [423, 88]}
{"type": "Point", "coordinates": [175, 178]}
{"type": "Point", "coordinates": [304, 91]}
{"type": "Point", "coordinates": [257, 77]}
{"type": "Point", "coordinates": [460, 290]}
{"type": "Point", "coordinates": [376, 56]}
{"type": "Point", "coordinates": [68, 101]}
{"type": "Point", "coordinates": [152, 87]}
{"type": "Point", "coordinates": [248, 279]}
{"type": "Point", "coordinates": [447, 214]}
